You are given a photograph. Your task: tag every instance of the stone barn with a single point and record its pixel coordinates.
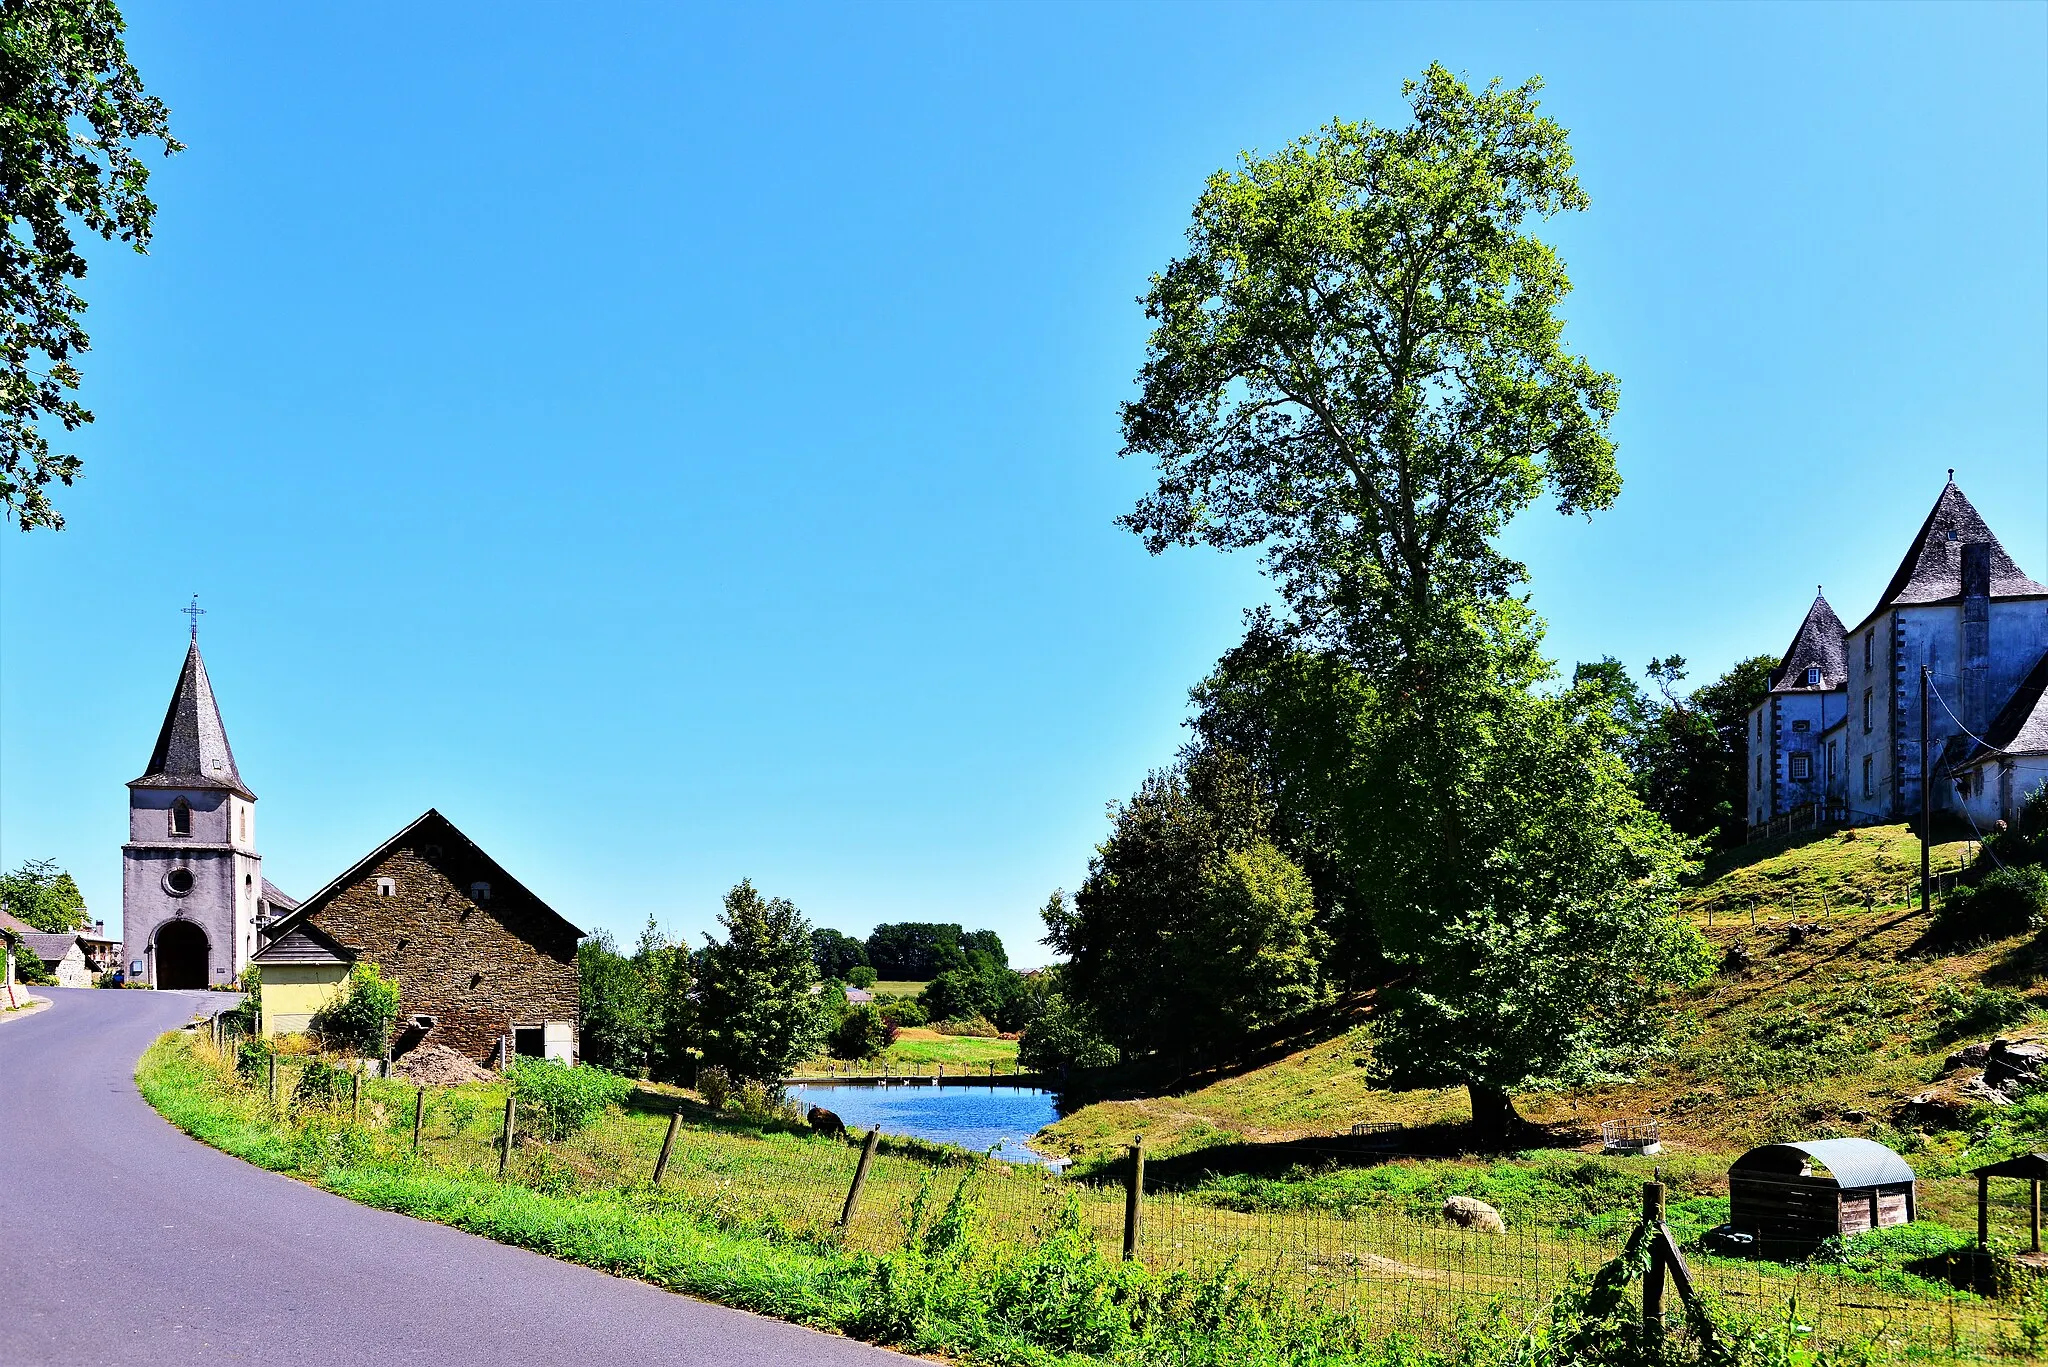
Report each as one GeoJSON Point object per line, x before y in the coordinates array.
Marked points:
{"type": "Point", "coordinates": [484, 967]}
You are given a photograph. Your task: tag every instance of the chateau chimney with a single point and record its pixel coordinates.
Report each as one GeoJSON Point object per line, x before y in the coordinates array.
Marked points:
{"type": "Point", "coordinates": [1976, 671]}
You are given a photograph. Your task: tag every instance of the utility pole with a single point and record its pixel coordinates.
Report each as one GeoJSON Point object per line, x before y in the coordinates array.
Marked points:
{"type": "Point", "coordinates": [1926, 797]}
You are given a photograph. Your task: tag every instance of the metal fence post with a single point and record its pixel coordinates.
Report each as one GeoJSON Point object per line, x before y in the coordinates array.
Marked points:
{"type": "Point", "coordinates": [1653, 1278]}
{"type": "Point", "coordinates": [355, 1097]}
{"type": "Point", "coordinates": [668, 1140]}
{"type": "Point", "coordinates": [505, 1141]}
{"type": "Point", "coordinates": [1134, 1196]}
{"type": "Point", "coordinates": [860, 1176]}
{"type": "Point", "coordinates": [419, 1114]}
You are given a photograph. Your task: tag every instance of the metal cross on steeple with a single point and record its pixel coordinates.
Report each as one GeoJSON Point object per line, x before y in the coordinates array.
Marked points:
{"type": "Point", "coordinates": [195, 612]}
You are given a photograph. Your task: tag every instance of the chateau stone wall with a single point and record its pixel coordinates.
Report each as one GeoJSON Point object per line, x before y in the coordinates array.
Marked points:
{"type": "Point", "coordinates": [481, 966]}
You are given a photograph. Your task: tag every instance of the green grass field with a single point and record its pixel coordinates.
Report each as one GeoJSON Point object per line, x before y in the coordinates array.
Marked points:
{"type": "Point", "coordinates": [924, 1046]}
{"type": "Point", "coordinates": [897, 988]}
{"type": "Point", "coordinates": [989, 1263]}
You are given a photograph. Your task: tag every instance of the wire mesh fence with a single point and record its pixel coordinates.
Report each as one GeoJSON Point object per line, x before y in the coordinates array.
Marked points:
{"type": "Point", "coordinates": [1412, 1273]}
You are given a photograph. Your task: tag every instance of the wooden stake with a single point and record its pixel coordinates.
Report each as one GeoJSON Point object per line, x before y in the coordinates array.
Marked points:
{"type": "Point", "coordinates": [273, 1078]}
{"type": "Point", "coordinates": [2034, 1214]}
{"type": "Point", "coordinates": [355, 1097]}
{"type": "Point", "coordinates": [860, 1176]}
{"type": "Point", "coordinates": [1134, 1198]}
{"type": "Point", "coordinates": [419, 1114]}
{"type": "Point", "coordinates": [668, 1140]}
{"type": "Point", "coordinates": [1653, 1279]}
{"type": "Point", "coordinates": [505, 1142]}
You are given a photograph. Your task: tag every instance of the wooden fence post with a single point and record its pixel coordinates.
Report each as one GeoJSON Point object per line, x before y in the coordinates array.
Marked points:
{"type": "Point", "coordinates": [668, 1140]}
{"type": "Point", "coordinates": [419, 1114]}
{"type": "Point", "coordinates": [273, 1078]}
{"type": "Point", "coordinates": [1134, 1196]}
{"type": "Point", "coordinates": [1653, 1279]}
{"type": "Point", "coordinates": [505, 1141]}
{"type": "Point", "coordinates": [860, 1176]}
{"type": "Point", "coordinates": [355, 1097]}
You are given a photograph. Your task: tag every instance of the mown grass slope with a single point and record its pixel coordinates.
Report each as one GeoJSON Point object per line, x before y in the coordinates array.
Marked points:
{"type": "Point", "coordinates": [1831, 1008]}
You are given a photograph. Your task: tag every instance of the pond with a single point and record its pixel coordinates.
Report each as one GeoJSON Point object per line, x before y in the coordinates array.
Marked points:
{"type": "Point", "coordinates": [980, 1118]}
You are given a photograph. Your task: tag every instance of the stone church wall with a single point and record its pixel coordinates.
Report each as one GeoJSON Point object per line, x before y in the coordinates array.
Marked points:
{"type": "Point", "coordinates": [481, 967]}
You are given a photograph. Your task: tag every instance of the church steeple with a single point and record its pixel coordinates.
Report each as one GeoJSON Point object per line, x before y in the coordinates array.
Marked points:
{"type": "Point", "coordinates": [192, 749]}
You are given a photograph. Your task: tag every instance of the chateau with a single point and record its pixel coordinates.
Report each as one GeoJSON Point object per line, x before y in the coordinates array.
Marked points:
{"type": "Point", "coordinates": [1837, 739]}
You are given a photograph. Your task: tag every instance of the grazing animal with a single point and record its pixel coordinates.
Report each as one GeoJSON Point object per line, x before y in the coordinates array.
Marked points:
{"type": "Point", "coordinates": [824, 1122]}
{"type": "Point", "coordinates": [1474, 1214]}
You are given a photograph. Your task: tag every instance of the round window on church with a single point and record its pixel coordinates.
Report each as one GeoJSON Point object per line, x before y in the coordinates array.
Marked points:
{"type": "Point", "coordinates": [178, 882]}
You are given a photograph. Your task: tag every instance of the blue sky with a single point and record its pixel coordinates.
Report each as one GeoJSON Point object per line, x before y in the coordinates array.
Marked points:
{"type": "Point", "coordinates": [680, 443]}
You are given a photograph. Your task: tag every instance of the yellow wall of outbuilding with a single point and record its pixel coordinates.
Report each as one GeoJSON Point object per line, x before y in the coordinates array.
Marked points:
{"type": "Point", "coordinates": [293, 992]}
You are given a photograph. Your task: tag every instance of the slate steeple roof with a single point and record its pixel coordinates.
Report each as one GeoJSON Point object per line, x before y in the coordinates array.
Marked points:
{"type": "Point", "coordinates": [192, 750]}
{"type": "Point", "coordinates": [1820, 643]}
{"type": "Point", "coordinates": [1932, 571]}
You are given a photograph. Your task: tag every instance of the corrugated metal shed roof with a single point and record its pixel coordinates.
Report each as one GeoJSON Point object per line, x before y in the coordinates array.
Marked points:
{"type": "Point", "coordinates": [1851, 1162]}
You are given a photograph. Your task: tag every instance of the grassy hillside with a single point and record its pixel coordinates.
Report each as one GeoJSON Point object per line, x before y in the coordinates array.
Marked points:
{"type": "Point", "coordinates": [1828, 1012]}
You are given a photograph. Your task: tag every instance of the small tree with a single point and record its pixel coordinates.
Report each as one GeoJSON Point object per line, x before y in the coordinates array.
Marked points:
{"type": "Point", "coordinates": [862, 1033]}
{"type": "Point", "coordinates": [757, 1014]}
{"type": "Point", "coordinates": [1064, 1035]}
{"type": "Point", "coordinates": [616, 1029]}
{"type": "Point", "coordinates": [360, 1020]}
{"type": "Point", "coordinates": [43, 895]}
{"type": "Point", "coordinates": [670, 974]}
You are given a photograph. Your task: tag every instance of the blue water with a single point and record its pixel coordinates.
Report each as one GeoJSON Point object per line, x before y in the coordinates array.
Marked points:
{"type": "Point", "coordinates": [981, 1118]}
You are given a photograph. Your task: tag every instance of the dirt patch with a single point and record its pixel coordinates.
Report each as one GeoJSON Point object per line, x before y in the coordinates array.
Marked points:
{"type": "Point", "coordinates": [436, 1065]}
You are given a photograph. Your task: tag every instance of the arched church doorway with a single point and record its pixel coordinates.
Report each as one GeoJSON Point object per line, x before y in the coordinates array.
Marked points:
{"type": "Point", "coordinates": [180, 955]}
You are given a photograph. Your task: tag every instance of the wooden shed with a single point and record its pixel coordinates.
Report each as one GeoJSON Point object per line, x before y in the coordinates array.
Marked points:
{"type": "Point", "coordinates": [1814, 1190]}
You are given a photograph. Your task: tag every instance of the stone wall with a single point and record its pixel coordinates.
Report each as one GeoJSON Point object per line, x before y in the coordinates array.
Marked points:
{"type": "Point", "coordinates": [481, 966]}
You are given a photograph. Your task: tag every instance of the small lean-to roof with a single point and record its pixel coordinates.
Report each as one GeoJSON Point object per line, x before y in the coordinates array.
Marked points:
{"type": "Point", "coordinates": [1820, 643]}
{"type": "Point", "coordinates": [1851, 1162]}
{"type": "Point", "coordinates": [304, 943]}
{"type": "Point", "coordinates": [2032, 1166]}
{"type": "Point", "coordinates": [430, 822]}
{"type": "Point", "coordinates": [2021, 726]}
{"type": "Point", "coordinates": [1932, 571]}
{"type": "Point", "coordinates": [192, 749]}
{"type": "Point", "coordinates": [278, 897]}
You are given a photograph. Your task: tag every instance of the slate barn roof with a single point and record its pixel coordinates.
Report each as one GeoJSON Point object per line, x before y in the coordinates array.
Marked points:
{"type": "Point", "coordinates": [2021, 726]}
{"type": "Point", "coordinates": [1820, 641]}
{"type": "Point", "coordinates": [49, 946]}
{"type": "Point", "coordinates": [192, 749]}
{"type": "Point", "coordinates": [1932, 571]}
{"type": "Point", "coordinates": [304, 943]}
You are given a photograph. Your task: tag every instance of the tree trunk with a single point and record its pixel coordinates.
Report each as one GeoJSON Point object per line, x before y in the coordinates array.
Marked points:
{"type": "Point", "coordinates": [1494, 1117]}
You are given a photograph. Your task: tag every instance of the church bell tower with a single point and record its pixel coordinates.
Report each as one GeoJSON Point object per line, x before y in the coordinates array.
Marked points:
{"type": "Point", "coordinates": [191, 879]}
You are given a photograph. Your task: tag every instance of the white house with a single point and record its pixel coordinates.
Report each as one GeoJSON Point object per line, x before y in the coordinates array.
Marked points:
{"type": "Point", "coordinates": [1846, 746]}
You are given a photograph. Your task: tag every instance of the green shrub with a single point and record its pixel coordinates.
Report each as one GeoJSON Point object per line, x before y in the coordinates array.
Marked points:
{"type": "Point", "coordinates": [360, 1020]}
{"type": "Point", "coordinates": [320, 1084]}
{"type": "Point", "coordinates": [904, 1012]}
{"type": "Point", "coordinates": [558, 1100]}
{"type": "Point", "coordinates": [863, 1032]}
{"type": "Point", "coordinates": [1976, 1010]}
{"type": "Point", "coordinates": [252, 1059]}
{"type": "Point", "coordinates": [714, 1084]}
{"type": "Point", "coordinates": [2008, 902]}
{"type": "Point", "coordinates": [28, 968]}
{"type": "Point", "coordinates": [975, 1026]}
{"type": "Point", "coordinates": [763, 1102]}
{"type": "Point", "coordinates": [1064, 1035]}
{"type": "Point", "coordinates": [861, 976]}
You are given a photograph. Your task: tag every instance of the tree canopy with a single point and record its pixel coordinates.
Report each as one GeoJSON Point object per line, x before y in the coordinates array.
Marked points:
{"type": "Point", "coordinates": [72, 114]}
{"type": "Point", "coordinates": [43, 895]}
{"type": "Point", "coordinates": [756, 1013]}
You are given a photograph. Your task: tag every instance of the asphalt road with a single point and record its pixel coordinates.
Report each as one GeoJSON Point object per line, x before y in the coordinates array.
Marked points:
{"type": "Point", "coordinates": [121, 1240]}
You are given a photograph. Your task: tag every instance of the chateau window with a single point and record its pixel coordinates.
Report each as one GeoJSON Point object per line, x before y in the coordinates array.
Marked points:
{"type": "Point", "coordinates": [1759, 771]}
{"type": "Point", "coordinates": [1759, 725]}
{"type": "Point", "coordinates": [181, 817]}
{"type": "Point", "coordinates": [479, 892]}
{"type": "Point", "coordinates": [387, 887]}
{"type": "Point", "coordinates": [1868, 637]}
{"type": "Point", "coordinates": [1812, 676]}
{"type": "Point", "coordinates": [1866, 714]}
{"type": "Point", "coordinates": [1869, 786]}
{"type": "Point", "coordinates": [1801, 766]}
{"type": "Point", "coordinates": [1831, 761]}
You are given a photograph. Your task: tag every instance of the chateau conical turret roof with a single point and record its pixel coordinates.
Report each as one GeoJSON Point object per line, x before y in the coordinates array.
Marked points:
{"type": "Point", "coordinates": [1819, 644]}
{"type": "Point", "coordinates": [192, 750]}
{"type": "Point", "coordinates": [1932, 571]}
